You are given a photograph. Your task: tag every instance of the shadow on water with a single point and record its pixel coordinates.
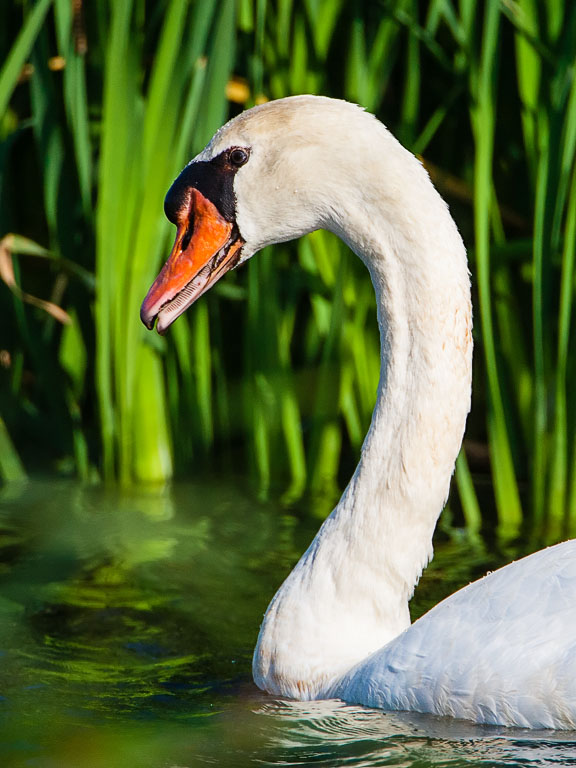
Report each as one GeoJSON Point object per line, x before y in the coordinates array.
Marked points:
{"type": "Point", "coordinates": [127, 623]}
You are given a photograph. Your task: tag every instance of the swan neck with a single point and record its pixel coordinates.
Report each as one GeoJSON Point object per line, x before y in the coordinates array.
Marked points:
{"type": "Point", "coordinates": [348, 595]}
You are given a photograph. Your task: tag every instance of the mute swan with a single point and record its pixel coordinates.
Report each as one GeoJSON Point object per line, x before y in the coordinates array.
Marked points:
{"type": "Point", "coordinates": [503, 649]}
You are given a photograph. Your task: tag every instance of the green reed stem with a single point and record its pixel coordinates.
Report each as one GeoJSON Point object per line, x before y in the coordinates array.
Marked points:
{"type": "Point", "coordinates": [483, 123]}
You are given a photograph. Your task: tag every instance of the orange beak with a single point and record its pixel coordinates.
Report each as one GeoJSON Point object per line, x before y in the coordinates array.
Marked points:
{"type": "Point", "coordinates": [206, 247]}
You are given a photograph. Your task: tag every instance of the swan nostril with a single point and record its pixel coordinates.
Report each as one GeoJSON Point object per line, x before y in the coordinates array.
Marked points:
{"type": "Point", "coordinates": [188, 236]}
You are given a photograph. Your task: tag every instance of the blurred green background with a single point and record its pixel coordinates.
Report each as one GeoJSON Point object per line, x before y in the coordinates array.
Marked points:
{"type": "Point", "coordinates": [273, 375]}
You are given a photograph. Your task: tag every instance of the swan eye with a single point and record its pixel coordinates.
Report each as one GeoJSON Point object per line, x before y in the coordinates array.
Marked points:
{"type": "Point", "coordinates": [238, 156]}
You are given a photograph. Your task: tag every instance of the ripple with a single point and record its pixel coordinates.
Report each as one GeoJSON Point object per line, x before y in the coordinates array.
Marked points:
{"type": "Point", "coordinates": [335, 734]}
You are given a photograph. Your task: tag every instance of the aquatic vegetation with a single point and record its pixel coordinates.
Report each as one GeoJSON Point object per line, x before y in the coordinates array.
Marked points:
{"type": "Point", "coordinates": [275, 373]}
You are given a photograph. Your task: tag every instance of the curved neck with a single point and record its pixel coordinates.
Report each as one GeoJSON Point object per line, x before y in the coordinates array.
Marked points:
{"type": "Point", "coordinates": [349, 593]}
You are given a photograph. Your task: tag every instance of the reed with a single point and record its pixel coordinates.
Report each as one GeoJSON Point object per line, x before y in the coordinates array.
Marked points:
{"type": "Point", "coordinates": [282, 358]}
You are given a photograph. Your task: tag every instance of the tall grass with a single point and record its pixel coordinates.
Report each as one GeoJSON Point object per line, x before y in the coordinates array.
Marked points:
{"type": "Point", "coordinates": [282, 359]}
{"type": "Point", "coordinates": [145, 138]}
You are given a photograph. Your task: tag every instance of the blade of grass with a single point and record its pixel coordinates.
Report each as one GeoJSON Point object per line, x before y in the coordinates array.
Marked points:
{"type": "Point", "coordinates": [12, 68]}
{"type": "Point", "coordinates": [468, 498]}
{"type": "Point", "coordinates": [483, 122]}
{"type": "Point", "coordinates": [11, 467]}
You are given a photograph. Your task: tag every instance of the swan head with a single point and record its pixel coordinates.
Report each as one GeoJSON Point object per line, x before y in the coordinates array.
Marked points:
{"type": "Point", "coordinates": [264, 178]}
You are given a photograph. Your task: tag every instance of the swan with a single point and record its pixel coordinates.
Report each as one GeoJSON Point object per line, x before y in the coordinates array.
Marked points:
{"type": "Point", "coordinates": [501, 650]}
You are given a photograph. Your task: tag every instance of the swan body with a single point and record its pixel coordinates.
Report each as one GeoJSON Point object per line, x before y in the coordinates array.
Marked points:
{"type": "Point", "coordinates": [499, 651]}
{"type": "Point", "coordinates": [503, 649]}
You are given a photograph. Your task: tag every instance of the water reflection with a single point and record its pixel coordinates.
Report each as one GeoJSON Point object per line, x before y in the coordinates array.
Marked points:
{"type": "Point", "coordinates": [127, 623]}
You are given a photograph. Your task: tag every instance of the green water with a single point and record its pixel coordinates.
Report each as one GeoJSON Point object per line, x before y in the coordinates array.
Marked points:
{"type": "Point", "coordinates": [127, 624]}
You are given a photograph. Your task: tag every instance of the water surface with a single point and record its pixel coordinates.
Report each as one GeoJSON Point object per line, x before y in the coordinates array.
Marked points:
{"type": "Point", "coordinates": [127, 623]}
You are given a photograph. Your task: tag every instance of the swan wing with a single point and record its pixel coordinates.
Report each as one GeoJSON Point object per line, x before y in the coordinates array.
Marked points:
{"type": "Point", "coordinates": [501, 650]}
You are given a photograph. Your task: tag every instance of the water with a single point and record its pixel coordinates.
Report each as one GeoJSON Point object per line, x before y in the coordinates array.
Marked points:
{"type": "Point", "coordinates": [127, 624]}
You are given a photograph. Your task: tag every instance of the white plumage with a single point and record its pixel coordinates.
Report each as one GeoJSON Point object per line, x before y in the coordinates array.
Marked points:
{"type": "Point", "coordinates": [499, 651]}
{"type": "Point", "coordinates": [502, 650]}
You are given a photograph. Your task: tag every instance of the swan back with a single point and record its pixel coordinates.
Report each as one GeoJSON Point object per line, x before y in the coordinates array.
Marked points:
{"type": "Point", "coordinates": [499, 651]}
